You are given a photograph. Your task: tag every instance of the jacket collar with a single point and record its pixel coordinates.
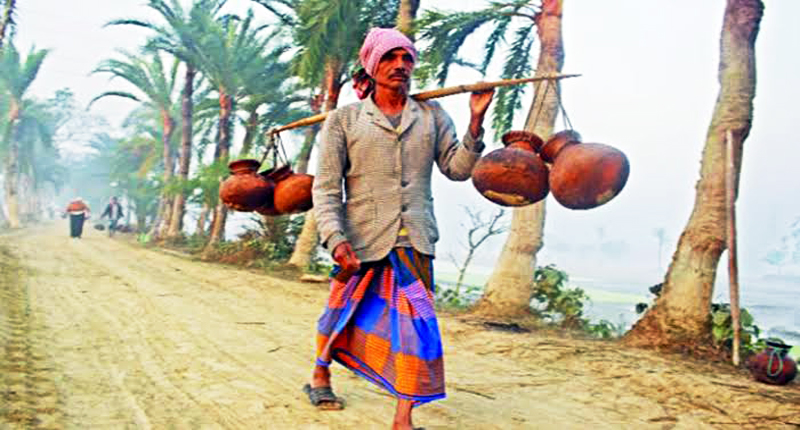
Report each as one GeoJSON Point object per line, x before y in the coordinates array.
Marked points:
{"type": "Point", "coordinates": [411, 112]}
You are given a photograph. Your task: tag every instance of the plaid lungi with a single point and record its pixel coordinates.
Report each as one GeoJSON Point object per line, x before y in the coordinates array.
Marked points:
{"type": "Point", "coordinates": [381, 324]}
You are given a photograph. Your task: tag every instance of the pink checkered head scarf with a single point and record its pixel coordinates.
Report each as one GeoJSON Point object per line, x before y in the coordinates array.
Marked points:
{"type": "Point", "coordinates": [378, 42]}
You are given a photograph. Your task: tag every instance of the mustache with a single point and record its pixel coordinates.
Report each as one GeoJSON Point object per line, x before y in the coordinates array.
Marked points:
{"type": "Point", "coordinates": [399, 74]}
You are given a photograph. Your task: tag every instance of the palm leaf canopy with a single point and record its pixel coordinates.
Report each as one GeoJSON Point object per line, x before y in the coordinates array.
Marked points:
{"type": "Point", "coordinates": [445, 34]}
{"type": "Point", "coordinates": [147, 75]}
{"type": "Point", "coordinates": [333, 31]}
{"type": "Point", "coordinates": [180, 33]}
{"type": "Point", "coordinates": [16, 74]}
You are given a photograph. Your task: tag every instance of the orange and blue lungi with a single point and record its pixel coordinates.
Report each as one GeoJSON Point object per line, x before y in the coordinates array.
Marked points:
{"type": "Point", "coordinates": [381, 324]}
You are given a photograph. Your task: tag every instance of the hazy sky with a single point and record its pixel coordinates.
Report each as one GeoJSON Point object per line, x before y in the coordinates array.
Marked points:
{"type": "Point", "coordinates": [648, 87]}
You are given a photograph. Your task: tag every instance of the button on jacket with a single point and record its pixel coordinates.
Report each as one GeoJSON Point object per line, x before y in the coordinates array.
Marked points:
{"type": "Point", "coordinates": [371, 175]}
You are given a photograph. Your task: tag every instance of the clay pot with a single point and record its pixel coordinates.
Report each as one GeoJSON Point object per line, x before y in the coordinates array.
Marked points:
{"type": "Point", "coordinates": [557, 142]}
{"type": "Point", "coordinates": [245, 190]}
{"type": "Point", "coordinates": [773, 365]}
{"type": "Point", "coordinates": [292, 191]}
{"type": "Point", "coordinates": [514, 175]}
{"type": "Point", "coordinates": [584, 175]}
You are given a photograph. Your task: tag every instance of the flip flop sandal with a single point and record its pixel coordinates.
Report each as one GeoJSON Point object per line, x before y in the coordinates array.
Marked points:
{"type": "Point", "coordinates": [323, 398]}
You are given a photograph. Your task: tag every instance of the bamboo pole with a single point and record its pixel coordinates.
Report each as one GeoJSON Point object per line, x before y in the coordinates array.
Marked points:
{"type": "Point", "coordinates": [733, 270]}
{"type": "Point", "coordinates": [432, 94]}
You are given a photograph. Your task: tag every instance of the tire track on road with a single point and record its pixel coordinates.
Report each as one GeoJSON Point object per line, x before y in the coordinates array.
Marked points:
{"type": "Point", "coordinates": [30, 398]}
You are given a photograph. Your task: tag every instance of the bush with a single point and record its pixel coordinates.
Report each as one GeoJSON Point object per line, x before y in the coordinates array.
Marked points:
{"type": "Point", "coordinates": [557, 304]}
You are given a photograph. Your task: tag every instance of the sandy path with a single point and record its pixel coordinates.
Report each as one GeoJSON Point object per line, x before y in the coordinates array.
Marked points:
{"type": "Point", "coordinates": [97, 333]}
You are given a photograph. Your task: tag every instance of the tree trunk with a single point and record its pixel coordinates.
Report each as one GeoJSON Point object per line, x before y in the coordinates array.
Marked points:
{"type": "Point", "coordinates": [509, 289]}
{"type": "Point", "coordinates": [682, 314]}
{"type": "Point", "coordinates": [165, 205]}
{"type": "Point", "coordinates": [223, 151]}
{"type": "Point", "coordinates": [12, 166]}
{"type": "Point", "coordinates": [6, 19]}
{"type": "Point", "coordinates": [200, 230]}
{"type": "Point", "coordinates": [179, 205]}
{"type": "Point", "coordinates": [249, 133]}
{"type": "Point", "coordinates": [406, 15]}
{"type": "Point", "coordinates": [307, 242]}
{"type": "Point", "coordinates": [303, 158]}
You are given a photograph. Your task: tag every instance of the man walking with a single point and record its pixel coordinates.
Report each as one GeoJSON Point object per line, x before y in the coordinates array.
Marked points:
{"type": "Point", "coordinates": [374, 208]}
{"type": "Point", "coordinates": [113, 211]}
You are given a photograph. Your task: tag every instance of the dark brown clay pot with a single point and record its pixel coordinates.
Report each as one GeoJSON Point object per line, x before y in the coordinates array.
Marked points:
{"type": "Point", "coordinates": [245, 190]}
{"type": "Point", "coordinates": [587, 175]}
{"type": "Point", "coordinates": [292, 191]}
{"type": "Point", "coordinates": [514, 175]}
{"type": "Point", "coordinates": [773, 365]}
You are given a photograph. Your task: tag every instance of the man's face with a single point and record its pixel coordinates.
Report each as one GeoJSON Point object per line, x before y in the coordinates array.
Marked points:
{"type": "Point", "coordinates": [113, 200]}
{"type": "Point", "coordinates": [394, 70]}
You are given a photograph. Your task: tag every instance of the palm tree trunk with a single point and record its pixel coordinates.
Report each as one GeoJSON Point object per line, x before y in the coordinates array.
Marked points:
{"type": "Point", "coordinates": [6, 19]}
{"type": "Point", "coordinates": [223, 151]}
{"type": "Point", "coordinates": [250, 131]}
{"type": "Point", "coordinates": [309, 237]}
{"type": "Point", "coordinates": [682, 313]}
{"type": "Point", "coordinates": [406, 15]}
{"type": "Point", "coordinates": [508, 291]}
{"type": "Point", "coordinates": [12, 166]}
{"type": "Point", "coordinates": [200, 229]}
{"type": "Point", "coordinates": [179, 206]}
{"type": "Point", "coordinates": [303, 158]}
{"type": "Point", "coordinates": [165, 205]}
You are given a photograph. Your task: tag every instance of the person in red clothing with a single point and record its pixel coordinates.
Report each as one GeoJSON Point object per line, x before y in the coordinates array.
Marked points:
{"type": "Point", "coordinates": [78, 212]}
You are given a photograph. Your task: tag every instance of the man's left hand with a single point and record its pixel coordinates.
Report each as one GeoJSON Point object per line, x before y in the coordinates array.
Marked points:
{"type": "Point", "coordinates": [479, 103]}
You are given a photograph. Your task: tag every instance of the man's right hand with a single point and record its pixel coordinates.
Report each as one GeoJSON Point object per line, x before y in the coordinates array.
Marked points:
{"type": "Point", "coordinates": [344, 255]}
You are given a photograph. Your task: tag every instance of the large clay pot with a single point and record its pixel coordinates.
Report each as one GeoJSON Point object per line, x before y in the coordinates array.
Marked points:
{"type": "Point", "coordinates": [245, 190]}
{"type": "Point", "coordinates": [292, 191]}
{"type": "Point", "coordinates": [514, 175]}
{"type": "Point", "coordinates": [584, 175]}
{"type": "Point", "coordinates": [773, 365]}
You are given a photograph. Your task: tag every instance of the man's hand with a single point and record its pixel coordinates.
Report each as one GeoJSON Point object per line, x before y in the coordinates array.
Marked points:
{"type": "Point", "coordinates": [479, 103]}
{"type": "Point", "coordinates": [346, 258]}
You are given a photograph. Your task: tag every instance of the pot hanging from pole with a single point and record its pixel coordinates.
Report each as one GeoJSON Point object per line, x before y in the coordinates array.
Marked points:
{"type": "Point", "coordinates": [514, 175]}
{"type": "Point", "coordinates": [292, 192]}
{"type": "Point", "coordinates": [584, 175]}
{"type": "Point", "coordinates": [245, 190]}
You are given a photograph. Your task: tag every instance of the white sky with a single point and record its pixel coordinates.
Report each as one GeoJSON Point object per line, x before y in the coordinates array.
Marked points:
{"type": "Point", "coordinates": [648, 88]}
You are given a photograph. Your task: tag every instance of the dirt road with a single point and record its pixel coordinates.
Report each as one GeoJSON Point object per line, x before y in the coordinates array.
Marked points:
{"type": "Point", "coordinates": [101, 334]}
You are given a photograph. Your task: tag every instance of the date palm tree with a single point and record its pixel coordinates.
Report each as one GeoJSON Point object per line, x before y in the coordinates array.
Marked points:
{"type": "Point", "coordinates": [156, 87]}
{"type": "Point", "coordinates": [179, 36]}
{"type": "Point", "coordinates": [16, 76]}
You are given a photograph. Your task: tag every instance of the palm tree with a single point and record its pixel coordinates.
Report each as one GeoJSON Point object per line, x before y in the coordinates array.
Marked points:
{"type": "Point", "coordinates": [682, 312]}
{"type": "Point", "coordinates": [157, 87]}
{"type": "Point", "coordinates": [230, 54]}
{"type": "Point", "coordinates": [7, 19]}
{"type": "Point", "coordinates": [508, 291]}
{"type": "Point", "coordinates": [180, 37]}
{"type": "Point", "coordinates": [406, 14]}
{"type": "Point", "coordinates": [16, 76]}
{"type": "Point", "coordinates": [38, 157]}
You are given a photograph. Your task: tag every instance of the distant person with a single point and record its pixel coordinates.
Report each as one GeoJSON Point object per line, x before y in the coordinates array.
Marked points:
{"type": "Point", "coordinates": [114, 213]}
{"type": "Point", "coordinates": [78, 212]}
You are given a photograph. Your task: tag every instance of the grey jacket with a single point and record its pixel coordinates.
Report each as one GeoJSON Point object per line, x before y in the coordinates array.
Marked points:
{"type": "Point", "coordinates": [371, 175]}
